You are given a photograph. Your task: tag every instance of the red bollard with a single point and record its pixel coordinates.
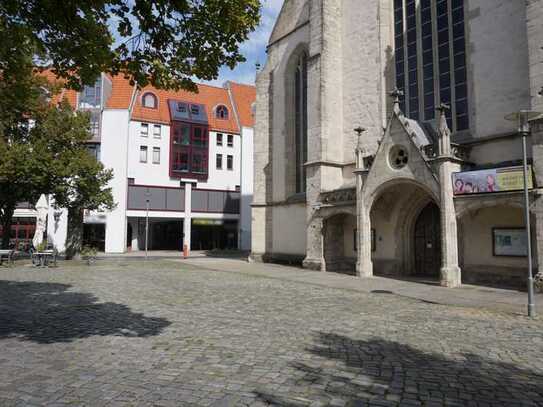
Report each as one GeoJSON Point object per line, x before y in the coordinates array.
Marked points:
{"type": "Point", "coordinates": [185, 251]}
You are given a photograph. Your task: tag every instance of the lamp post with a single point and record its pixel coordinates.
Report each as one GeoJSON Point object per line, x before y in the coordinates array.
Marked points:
{"type": "Point", "coordinates": [523, 118]}
{"type": "Point", "coordinates": [147, 195]}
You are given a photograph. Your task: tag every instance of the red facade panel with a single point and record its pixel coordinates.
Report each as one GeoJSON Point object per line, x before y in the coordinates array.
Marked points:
{"type": "Point", "coordinates": [189, 146]}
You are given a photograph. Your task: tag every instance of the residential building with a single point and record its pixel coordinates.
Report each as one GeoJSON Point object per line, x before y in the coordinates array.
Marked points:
{"type": "Point", "coordinates": [351, 179]}
{"type": "Point", "coordinates": [182, 158]}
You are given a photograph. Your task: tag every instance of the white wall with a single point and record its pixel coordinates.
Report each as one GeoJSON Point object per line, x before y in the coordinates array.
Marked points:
{"type": "Point", "coordinates": [223, 179]}
{"type": "Point", "coordinates": [115, 131]}
{"type": "Point", "coordinates": [159, 174]}
{"type": "Point", "coordinates": [246, 161]}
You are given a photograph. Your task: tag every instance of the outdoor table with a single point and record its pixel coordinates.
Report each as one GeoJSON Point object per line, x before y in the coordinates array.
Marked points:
{"type": "Point", "coordinates": [7, 254]}
{"type": "Point", "coordinates": [43, 258]}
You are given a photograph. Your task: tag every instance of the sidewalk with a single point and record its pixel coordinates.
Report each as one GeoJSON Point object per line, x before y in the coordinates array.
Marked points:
{"type": "Point", "coordinates": [173, 254]}
{"type": "Point", "coordinates": [492, 299]}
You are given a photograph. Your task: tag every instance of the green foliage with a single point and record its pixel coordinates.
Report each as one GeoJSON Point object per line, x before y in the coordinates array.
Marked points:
{"type": "Point", "coordinates": [162, 42]}
{"type": "Point", "coordinates": [88, 251]}
{"type": "Point", "coordinates": [42, 246]}
{"type": "Point", "coordinates": [43, 150]}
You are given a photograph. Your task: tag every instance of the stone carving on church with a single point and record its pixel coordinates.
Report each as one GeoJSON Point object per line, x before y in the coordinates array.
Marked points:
{"type": "Point", "coordinates": [338, 196]}
{"type": "Point", "coordinates": [458, 151]}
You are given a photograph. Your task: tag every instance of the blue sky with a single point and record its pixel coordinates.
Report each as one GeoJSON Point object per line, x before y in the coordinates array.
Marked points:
{"type": "Point", "coordinates": [254, 49]}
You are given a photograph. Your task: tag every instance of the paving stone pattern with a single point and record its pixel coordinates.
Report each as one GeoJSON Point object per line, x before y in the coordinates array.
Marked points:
{"type": "Point", "coordinates": [165, 334]}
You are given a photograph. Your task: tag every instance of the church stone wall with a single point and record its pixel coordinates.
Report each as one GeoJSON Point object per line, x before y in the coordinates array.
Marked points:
{"type": "Point", "coordinates": [289, 230]}
{"type": "Point", "coordinates": [498, 151]}
{"type": "Point", "coordinates": [478, 263]}
{"type": "Point", "coordinates": [363, 70]}
{"type": "Point", "coordinates": [534, 16]}
{"type": "Point", "coordinates": [497, 57]}
{"type": "Point", "coordinates": [331, 80]}
{"type": "Point", "coordinates": [273, 229]}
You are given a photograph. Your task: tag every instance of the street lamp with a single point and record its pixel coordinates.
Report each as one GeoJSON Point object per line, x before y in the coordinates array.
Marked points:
{"type": "Point", "coordinates": [523, 118]}
{"type": "Point", "coordinates": [147, 195]}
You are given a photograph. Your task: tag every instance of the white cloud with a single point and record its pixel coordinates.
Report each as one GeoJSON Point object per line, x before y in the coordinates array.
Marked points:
{"type": "Point", "coordinates": [254, 49]}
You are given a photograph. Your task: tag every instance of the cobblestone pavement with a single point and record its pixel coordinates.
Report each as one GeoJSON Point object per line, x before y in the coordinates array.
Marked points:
{"type": "Point", "coordinates": [165, 334]}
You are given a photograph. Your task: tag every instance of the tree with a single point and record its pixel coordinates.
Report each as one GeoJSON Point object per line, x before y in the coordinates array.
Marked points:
{"type": "Point", "coordinates": [85, 189]}
{"type": "Point", "coordinates": [43, 150]}
{"type": "Point", "coordinates": [165, 43]}
{"type": "Point", "coordinates": [23, 167]}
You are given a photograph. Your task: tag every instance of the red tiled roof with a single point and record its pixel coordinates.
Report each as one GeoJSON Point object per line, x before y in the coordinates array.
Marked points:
{"type": "Point", "coordinates": [210, 96]}
{"type": "Point", "coordinates": [69, 94]}
{"type": "Point", "coordinates": [121, 93]}
{"type": "Point", "coordinates": [244, 97]}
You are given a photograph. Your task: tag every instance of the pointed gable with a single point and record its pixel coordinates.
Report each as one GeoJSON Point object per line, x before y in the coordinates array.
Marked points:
{"type": "Point", "coordinates": [400, 157]}
{"type": "Point", "coordinates": [294, 13]}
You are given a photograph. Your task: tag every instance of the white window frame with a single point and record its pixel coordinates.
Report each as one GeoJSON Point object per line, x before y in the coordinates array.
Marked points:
{"type": "Point", "coordinates": [230, 140]}
{"type": "Point", "coordinates": [230, 162]}
{"type": "Point", "coordinates": [143, 154]}
{"type": "Point", "coordinates": [156, 134]}
{"type": "Point", "coordinates": [156, 155]}
{"type": "Point", "coordinates": [153, 97]}
{"type": "Point", "coordinates": [218, 158]}
{"type": "Point", "coordinates": [144, 130]}
{"type": "Point", "coordinates": [219, 137]}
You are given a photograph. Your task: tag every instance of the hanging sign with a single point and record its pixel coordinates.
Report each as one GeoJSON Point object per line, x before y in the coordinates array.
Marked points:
{"type": "Point", "coordinates": [490, 180]}
{"type": "Point", "coordinates": [207, 222]}
{"type": "Point", "coordinates": [91, 217]}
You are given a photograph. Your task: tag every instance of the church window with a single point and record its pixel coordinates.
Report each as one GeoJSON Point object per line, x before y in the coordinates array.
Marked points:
{"type": "Point", "coordinates": [300, 94]}
{"type": "Point", "coordinates": [430, 59]}
{"type": "Point", "coordinates": [398, 157]}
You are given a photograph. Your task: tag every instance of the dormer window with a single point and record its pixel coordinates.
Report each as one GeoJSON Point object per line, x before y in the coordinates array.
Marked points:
{"type": "Point", "coordinates": [181, 107]}
{"type": "Point", "coordinates": [194, 110]}
{"type": "Point", "coordinates": [221, 112]}
{"type": "Point", "coordinates": [149, 101]}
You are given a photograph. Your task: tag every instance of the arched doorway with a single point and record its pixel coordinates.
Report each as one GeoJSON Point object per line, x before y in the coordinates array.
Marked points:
{"type": "Point", "coordinates": [340, 243]}
{"type": "Point", "coordinates": [398, 210]}
{"type": "Point", "coordinates": [428, 242]}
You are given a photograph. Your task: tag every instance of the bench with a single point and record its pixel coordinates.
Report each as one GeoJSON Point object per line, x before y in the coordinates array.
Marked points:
{"type": "Point", "coordinates": [8, 255]}
{"type": "Point", "coordinates": [45, 258]}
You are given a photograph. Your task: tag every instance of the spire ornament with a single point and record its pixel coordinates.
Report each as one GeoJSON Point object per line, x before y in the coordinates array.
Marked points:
{"type": "Point", "coordinates": [396, 94]}
{"type": "Point", "coordinates": [360, 150]}
{"type": "Point", "coordinates": [444, 133]}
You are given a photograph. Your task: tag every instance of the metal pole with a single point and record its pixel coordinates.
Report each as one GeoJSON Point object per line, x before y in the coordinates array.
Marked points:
{"type": "Point", "coordinates": [147, 229]}
{"type": "Point", "coordinates": [531, 305]}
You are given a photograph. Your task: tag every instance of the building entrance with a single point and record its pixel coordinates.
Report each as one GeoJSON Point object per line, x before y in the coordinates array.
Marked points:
{"type": "Point", "coordinates": [428, 242]}
{"type": "Point", "coordinates": [167, 235]}
{"type": "Point", "coordinates": [208, 234]}
{"type": "Point", "coordinates": [94, 235]}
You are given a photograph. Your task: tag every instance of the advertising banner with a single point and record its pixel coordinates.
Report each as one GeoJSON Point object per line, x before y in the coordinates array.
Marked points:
{"type": "Point", "coordinates": [490, 180]}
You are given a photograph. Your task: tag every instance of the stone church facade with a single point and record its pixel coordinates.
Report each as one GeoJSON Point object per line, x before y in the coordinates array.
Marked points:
{"type": "Point", "coordinates": [368, 110]}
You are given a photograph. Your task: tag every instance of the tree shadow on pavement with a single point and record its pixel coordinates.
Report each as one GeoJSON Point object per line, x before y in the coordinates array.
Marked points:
{"type": "Point", "coordinates": [49, 313]}
{"type": "Point", "coordinates": [386, 373]}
